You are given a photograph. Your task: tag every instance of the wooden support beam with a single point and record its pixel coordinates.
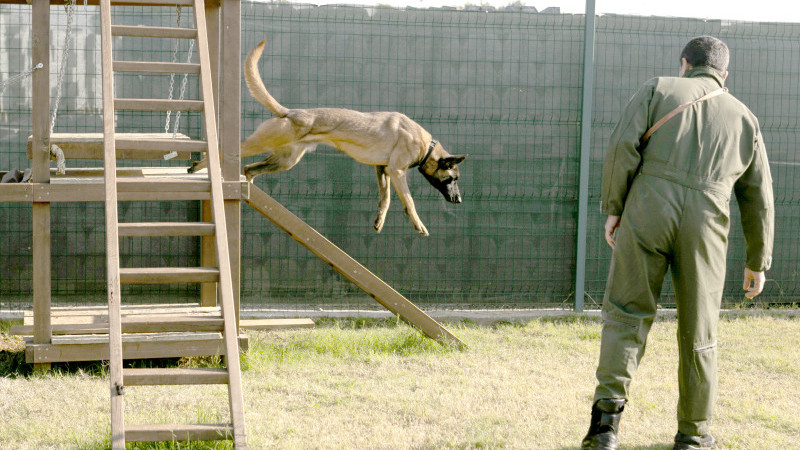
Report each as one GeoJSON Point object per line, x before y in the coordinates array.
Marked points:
{"type": "Point", "coordinates": [41, 172]}
{"type": "Point", "coordinates": [348, 267]}
{"type": "Point", "coordinates": [230, 130]}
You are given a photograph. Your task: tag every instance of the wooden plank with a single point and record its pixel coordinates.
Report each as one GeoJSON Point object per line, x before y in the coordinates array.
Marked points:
{"type": "Point", "coordinates": [85, 339]}
{"type": "Point", "coordinates": [275, 324]}
{"type": "Point", "coordinates": [135, 324]}
{"type": "Point", "coordinates": [154, 32]}
{"type": "Point", "coordinates": [149, 104]}
{"type": "Point", "coordinates": [348, 267]}
{"type": "Point", "coordinates": [174, 376]}
{"type": "Point", "coordinates": [114, 347]}
{"type": "Point", "coordinates": [41, 90]}
{"type": "Point", "coordinates": [41, 273]}
{"type": "Point", "coordinates": [208, 258]}
{"type": "Point", "coordinates": [82, 192]}
{"type": "Point", "coordinates": [158, 308]}
{"type": "Point", "coordinates": [162, 185]}
{"type": "Point", "coordinates": [151, 146]}
{"type": "Point", "coordinates": [40, 34]}
{"type": "Point", "coordinates": [16, 192]}
{"type": "Point", "coordinates": [230, 86]}
{"type": "Point", "coordinates": [178, 432]}
{"type": "Point", "coordinates": [168, 275]}
{"type": "Point", "coordinates": [151, 3]}
{"type": "Point", "coordinates": [235, 391]}
{"type": "Point", "coordinates": [178, 144]}
{"type": "Point", "coordinates": [146, 323]}
{"type": "Point", "coordinates": [49, 353]}
{"type": "Point", "coordinates": [63, 192]}
{"type": "Point", "coordinates": [230, 126]}
{"type": "Point", "coordinates": [166, 229]}
{"type": "Point", "coordinates": [155, 67]}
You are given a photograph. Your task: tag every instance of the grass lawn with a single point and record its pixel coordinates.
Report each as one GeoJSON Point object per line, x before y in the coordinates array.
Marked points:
{"type": "Point", "coordinates": [381, 385]}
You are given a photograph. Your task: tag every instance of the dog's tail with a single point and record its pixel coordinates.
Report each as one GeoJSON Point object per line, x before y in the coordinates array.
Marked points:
{"type": "Point", "coordinates": [257, 89]}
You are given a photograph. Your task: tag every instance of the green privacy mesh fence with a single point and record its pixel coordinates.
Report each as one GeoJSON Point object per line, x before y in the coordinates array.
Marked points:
{"type": "Point", "coordinates": [504, 87]}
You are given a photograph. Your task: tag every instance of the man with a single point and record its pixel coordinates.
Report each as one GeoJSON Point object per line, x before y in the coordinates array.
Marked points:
{"type": "Point", "coordinates": [667, 199]}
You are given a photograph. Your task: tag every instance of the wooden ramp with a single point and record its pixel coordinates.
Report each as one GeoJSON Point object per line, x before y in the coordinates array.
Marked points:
{"type": "Point", "coordinates": [349, 267]}
{"type": "Point", "coordinates": [212, 185]}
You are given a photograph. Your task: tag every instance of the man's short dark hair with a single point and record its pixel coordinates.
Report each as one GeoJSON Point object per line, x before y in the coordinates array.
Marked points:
{"type": "Point", "coordinates": [707, 51]}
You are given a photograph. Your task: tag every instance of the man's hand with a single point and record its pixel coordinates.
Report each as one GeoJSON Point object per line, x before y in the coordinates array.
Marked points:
{"type": "Point", "coordinates": [757, 278]}
{"type": "Point", "coordinates": [612, 223]}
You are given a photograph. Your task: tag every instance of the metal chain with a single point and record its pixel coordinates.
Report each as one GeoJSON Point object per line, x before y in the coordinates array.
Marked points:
{"type": "Point", "coordinates": [70, 8]}
{"type": "Point", "coordinates": [174, 58]}
{"type": "Point", "coordinates": [183, 91]}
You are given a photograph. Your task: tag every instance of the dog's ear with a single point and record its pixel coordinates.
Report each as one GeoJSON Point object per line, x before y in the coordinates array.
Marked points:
{"type": "Point", "coordinates": [451, 161]}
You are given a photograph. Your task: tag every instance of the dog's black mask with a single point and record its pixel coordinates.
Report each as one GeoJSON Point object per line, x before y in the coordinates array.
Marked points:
{"type": "Point", "coordinates": [445, 177]}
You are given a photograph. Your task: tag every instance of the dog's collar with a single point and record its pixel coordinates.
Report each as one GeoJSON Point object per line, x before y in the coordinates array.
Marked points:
{"type": "Point", "coordinates": [427, 155]}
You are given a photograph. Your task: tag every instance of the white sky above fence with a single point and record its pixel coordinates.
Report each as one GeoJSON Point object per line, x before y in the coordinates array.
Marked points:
{"type": "Point", "coordinates": [749, 10]}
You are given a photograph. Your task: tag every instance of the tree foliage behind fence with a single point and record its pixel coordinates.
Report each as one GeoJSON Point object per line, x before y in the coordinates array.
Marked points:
{"type": "Point", "coordinates": [504, 87]}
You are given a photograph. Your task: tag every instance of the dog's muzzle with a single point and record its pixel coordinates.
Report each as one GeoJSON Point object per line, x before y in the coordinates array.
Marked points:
{"type": "Point", "coordinates": [453, 195]}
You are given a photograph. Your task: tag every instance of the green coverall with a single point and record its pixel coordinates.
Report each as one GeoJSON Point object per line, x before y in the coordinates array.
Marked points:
{"type": "Point", "coordinates": [673, 196]}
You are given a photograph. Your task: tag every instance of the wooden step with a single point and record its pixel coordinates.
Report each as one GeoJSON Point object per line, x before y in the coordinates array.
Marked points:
{"type": "Point", "coordinates": [177, 432]}
{"type": "Point", "coordinates": [163, 185]}
{"type": "Point", "coordinates": [173, 376]}
{"type": "Point", "coordinates": [168, 275]}
{"type": "Point", "coordinates": [152, 323]}
{"type": "Point", "coordinates": [147, 104]}
{"type": "Point", "coordinates": [145, 229]}
{"type": "Point", "coordinates": [154, 32]}
{"type": "Point", "coordinates": [145, 323]}
{"type": "Point", "coordinates": [156, 148]}
{"type": "Point", "coordinates": [155, 67]}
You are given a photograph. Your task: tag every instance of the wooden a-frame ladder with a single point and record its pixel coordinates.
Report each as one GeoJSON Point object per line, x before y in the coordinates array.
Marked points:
{"type": "Point", "coordinates": [121, 378]}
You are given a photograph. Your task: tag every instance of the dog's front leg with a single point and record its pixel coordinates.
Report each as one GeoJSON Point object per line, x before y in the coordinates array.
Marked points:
{"type": "Point", "coordinates": [398, 178]}
{"type": "Point", "coordinates": [383, 197]}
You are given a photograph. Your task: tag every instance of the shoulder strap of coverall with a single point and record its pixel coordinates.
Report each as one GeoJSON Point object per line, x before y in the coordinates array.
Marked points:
{"type": "Point", "coordinates": [678, 110]}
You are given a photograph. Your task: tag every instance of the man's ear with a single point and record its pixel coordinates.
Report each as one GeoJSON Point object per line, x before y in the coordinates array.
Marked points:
{"type": "Point", "coordinates": [451, 161]}
{"type": "Point", "coordinates": [685, 67]}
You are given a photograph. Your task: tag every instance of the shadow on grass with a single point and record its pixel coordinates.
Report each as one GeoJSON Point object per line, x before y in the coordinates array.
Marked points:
{"type": "Point", "coordinates": [630, 447]}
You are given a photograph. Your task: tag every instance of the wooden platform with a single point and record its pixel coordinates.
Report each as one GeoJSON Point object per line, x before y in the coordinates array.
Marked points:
{"type": "Point", "coordinates": [135, 184]}
{"type": "Point", "coordinates": [80, 333]}
{"type": "Point", "coordinates": [149, 331]}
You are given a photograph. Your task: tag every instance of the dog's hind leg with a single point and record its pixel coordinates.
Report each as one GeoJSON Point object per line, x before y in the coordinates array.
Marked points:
{"type": "Point", "coordinates": [383, 197]}
{"type": "Point", "coordinates": [283, 158]}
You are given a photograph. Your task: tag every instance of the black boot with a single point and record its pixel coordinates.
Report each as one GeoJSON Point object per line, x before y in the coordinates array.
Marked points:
{"type": "Point", "coordinates": [686, 442]}
{"type": "Point", "coordinates": [602, 433]}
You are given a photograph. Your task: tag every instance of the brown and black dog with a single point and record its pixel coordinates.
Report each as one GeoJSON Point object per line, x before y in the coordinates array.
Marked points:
{"type": "Point", "coordinates": [390, 141]}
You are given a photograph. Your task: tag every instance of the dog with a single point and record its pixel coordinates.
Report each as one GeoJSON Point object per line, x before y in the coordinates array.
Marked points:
{"type": "Point", "coordinates": [390, 141]}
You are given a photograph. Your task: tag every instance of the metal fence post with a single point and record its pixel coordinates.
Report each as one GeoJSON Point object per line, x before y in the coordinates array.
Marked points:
{"type": "Point", "coordinates": [586, 134]}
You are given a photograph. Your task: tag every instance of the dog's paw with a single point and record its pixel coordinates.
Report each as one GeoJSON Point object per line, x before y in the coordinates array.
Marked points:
{"type": "Point", "coordinates": [421, 229]}
{"type": "Point", "coordinates": [378, 225]}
